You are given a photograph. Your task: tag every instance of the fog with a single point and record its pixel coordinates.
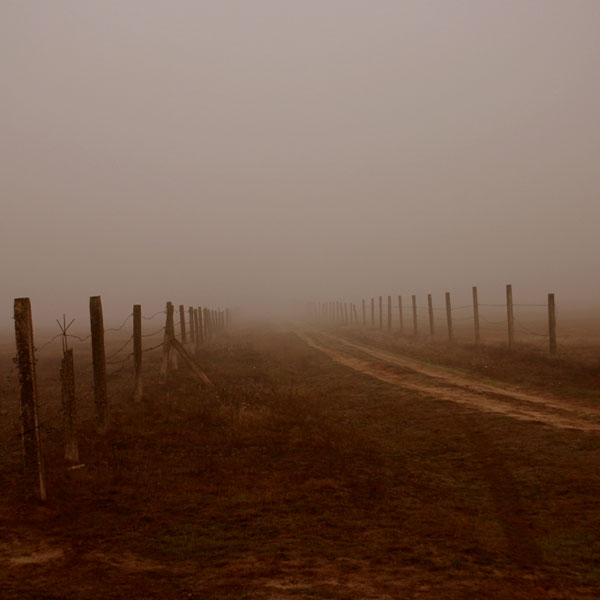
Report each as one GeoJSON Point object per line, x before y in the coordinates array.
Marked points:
{"type": "Point", "coordinates": [261, 154]}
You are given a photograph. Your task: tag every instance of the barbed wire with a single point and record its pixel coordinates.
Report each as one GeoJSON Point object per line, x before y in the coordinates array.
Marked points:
{"type": "Point", "coordinates": [45, 344]}
{"type": "Point", "coordinates": [160, 312]}
{"type": "Point", "coordinates": [154, 332]}
{"type": "Point", "coordinates": [121, 326]}
{"type": "Point", "coordinates": [119, 350]}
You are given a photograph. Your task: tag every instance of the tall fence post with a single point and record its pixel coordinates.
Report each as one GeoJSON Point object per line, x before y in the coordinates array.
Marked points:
{"type": "Point", "coordinates": [414, 311]}
{"type": "Point", "coordinates": [67, 378]}
{"type": "Point", "coordinates": [389, 315]}
{"type": "Point", "coordinates": [99, 363]}
{"type": "Point", "coordinates": [476, 316]}
{"type": "Point", "coordinates": [138, 387]}
{"type": "Point", "coordinates": [199, 334]}
{"type": "Point", "coordinates": [182, 323]}
{"type": "Point", "coordinates": [201, 325]}
{"type": "Point", "coordinates": [510, 316]}
{"type": "Point", "coordinates": [35, 484]}
{"type": "Point", "coordinates": [380, 312]}
{"type": "Point", "coordinates": [373, 313]}
{"type": "Point", "coordinates": [400, 315]}
{"type": "Point", "coordinates": [430, 308]}
{"type": "Point", "coordinates": [449, 317]}
{"type": "Point", "coordinates": [552, 324]}
{"type": "Point", "coordinates": [192, 323]}
{"type": "Point", "coordinates": [168, 359]}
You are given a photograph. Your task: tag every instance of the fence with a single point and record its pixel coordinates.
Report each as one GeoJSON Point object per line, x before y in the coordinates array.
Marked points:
{"type": "Point", "coordinates": [203, 326]}
{"type": "Point", "coordinates": [338, 313]}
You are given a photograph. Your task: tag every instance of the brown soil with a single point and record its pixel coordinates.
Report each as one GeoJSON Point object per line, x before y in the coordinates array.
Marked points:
{"type": "Point", "coordinates": [303, 478]}
{"type": "Point", "coordinates": [445, 385]}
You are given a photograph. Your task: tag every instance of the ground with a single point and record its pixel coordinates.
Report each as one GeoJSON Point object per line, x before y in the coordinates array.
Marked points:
{"type": "Point", "coordinates": [343, 464]}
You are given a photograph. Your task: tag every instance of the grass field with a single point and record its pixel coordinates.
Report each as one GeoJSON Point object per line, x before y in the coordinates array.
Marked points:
{"type": "Point", "coordinates": [299, 477]}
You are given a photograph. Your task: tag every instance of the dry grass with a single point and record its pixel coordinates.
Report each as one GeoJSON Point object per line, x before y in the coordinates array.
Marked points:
{"type": "Point", "coordinates": [301, 478]}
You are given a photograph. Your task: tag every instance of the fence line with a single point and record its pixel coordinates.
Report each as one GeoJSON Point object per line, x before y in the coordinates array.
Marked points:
{"type": "Point", "coordinates": [329, 314]}
{"type": "Point", "coordinates": [213, 323]}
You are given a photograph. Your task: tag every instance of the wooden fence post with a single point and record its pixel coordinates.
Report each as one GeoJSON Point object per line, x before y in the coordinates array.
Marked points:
{"type": "Point", "coordinates": [400, 315]}
{"type": "Point", "coordinates": [200, 325]}
{"type": "Point", "coordinates": [364, 313]}
{"type": "Point", "coordinates": [449, 317]}
{"type": "Point", "coordinates": [476, 316]}
{"type": "Point", "coordinates": [430, 308]}
{"type": "Point", "coordinates": [199, 334]}
{"type": "Point", "coordinates": [99, 363]}
{"type": "Point", "coordinates": [67, 378]}
{"type": "Point", "coordinates": [373, 313]}
{"type": "Point", "coordinates": [510, 316]}
{"type": "Point", "coordinates": [414, 311]}
{"type": "Point", "coordinates": [168, 360]}
{"type": "Point", "coordinates": [389, 316]}
{"type": "Point", "coordinates": [138, 388]}
{"type": "Point", "coordinates": [182, 323]}
{"type": "Point", "coordinates": [192, 323]}
{"type": "Point", "coordinates": [345, 313]}
{"type": "Point", "coordinates": [380, 312]}
{"type": "Point", "coordinates": [552, 324]}
{"type": "Point", "coordinates": [35, 483]}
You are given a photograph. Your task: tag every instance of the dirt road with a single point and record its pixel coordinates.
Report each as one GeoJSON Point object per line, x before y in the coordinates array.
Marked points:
{"type": "Point", "coordinates": [443, 384]}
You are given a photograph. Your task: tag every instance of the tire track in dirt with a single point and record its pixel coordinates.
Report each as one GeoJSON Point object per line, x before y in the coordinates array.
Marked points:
{"type": "Point", "coordinates": [517, 525]}
{"type": "Point", "coordinates": [442, 385]}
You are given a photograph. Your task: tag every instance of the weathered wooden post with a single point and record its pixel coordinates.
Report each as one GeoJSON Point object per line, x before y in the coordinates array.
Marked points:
{"type": "Point", "coordinates": [510, 316]}
{"type": "Point", "coordinates": [345, 313]}
{"type": "Point", "coordinates": [430, 308]}
{"type": "Point", "coordinates": [380, 312]}
{"type": "Point", "coordinates": [400, 315]}
{"type": "Point", "coordinates": [199, 334]}
{"type": "Point", "coordinates": [99, 363]}
{"type": "Point", "coordinates": [192, 323]}
{"type": "Point", "coordinates": [182, 323]}
{"type": "Point", "coordinates": [449, 317]}
{"type": "Point", "coordinates": [168, 359]}
{"type": "Point", "coordinates": [67, 378]}
{"type": "Point", "coordinates": [35, 483]}
{"type": "Point", "coordinates": [552, 324]}
{"type": "Point", "coordinates": [138, 388]}
{"type": "Point", "coordinates": [201, 326]}
{"type": "Point", "coordinates": [373, 313]}
{"type": "Point", "coordinates": [476, 316]}
{"type": "Point", "coordinates": [414, 311]}
{"type": "Point", "coordinates": [389, 316]}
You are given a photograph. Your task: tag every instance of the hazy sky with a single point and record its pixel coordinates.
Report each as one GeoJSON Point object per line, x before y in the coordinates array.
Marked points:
{"type": "Point", "coordinates": [271, 151]}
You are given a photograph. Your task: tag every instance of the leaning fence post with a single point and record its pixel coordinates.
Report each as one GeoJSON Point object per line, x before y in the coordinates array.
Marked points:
{"type": "Point", "coordinates": [552, 324]}
{"type": "Point", "coordinates": [510, 316]}
{"type": "Point", "coordinates": [476, 316]}
{"type": "Point", "coordinates": [138, 388]}
{"type": "Point", "coordinates": [414, 311]}
{"type": "Point", "coordinates": [35, 484]}
{"type": "Point", "coordinates": [430, 308]}
{"type": "Point", "coordinates": [99, 362]}
{"type": "Point", "coordinates": [67, 377]}
{"type": "Point", "coordinates": [449, 317]}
